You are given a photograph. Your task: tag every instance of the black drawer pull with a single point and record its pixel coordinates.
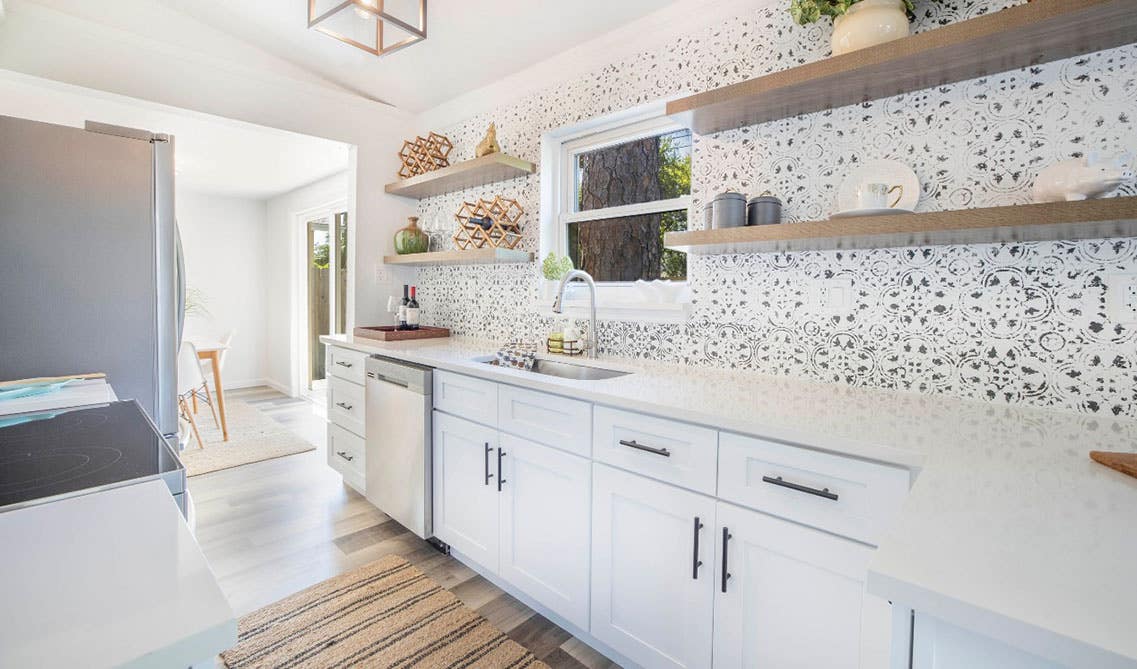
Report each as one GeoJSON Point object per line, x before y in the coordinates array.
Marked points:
{"type": "Point", "coordinates": [488, 474]}
{"type": "Point", "coordinates": [341, 363]}
{"type": "Point", "coordinates": [344, 405]}
{"type": "Point", "coordinates": [500, 479]}
{"type": "Point", "coordinates": [824, 492]}
{"type": "Point", "coordinates": [695, 561]}
{"type": "Point", "coordinates": [345, 456]}
{"type": "Point", "coordinates": [640, 447]}
{"type": "Point", "coordinates": [726, 537]}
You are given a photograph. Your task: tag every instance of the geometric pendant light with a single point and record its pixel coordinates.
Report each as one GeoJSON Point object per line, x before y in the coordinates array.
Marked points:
{"type": "Point", "coordinates": [376, 26]}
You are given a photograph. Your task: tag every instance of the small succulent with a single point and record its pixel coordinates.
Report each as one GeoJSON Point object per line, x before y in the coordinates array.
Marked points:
{"type": "Point", "coordinates": [810, 11]}
{"type": "Point", "coordinates": [554, 268]}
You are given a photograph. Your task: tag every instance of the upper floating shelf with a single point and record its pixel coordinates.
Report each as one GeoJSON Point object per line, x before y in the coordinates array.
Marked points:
{"type": "Point", "coordinates": [470, 257]}
{"type": "Point", "coordinates": [468, 174]}
{"type": "Point", "coordinates": [1029, 34]}
{"type": "Point", "coordinates": [1088, 219]}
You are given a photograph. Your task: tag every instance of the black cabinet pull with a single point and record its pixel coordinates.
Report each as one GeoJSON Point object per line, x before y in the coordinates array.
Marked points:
{"type": "Point", "coordinates": [500, 454]}
{"type": "Point", "coordinates": [344, 405]}
{"type": "Point", "coordinates": [695, 561]}
{"type": "Point", "coordinates": [345, 456]}
{"type": "Point", "coordinates": [341, 363]}
{"type": "Point", "coordinates": [488, 474]}
{"type": "Point", "coordinates": [726, 537]}
{"type": "Point", "coordinates": [640, 447]}
{"type": "Point", "coordinates": [824, 492]}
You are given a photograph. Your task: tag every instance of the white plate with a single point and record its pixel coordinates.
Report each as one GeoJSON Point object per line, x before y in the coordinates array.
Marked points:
{"type": "Point", "coordinates": [889, 172]}
{"type": "Point", "coordinates": [853, 213]}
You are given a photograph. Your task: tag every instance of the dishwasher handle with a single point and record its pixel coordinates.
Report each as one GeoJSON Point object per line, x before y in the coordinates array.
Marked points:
{"type": "Point", "coordinates": [386, 379]}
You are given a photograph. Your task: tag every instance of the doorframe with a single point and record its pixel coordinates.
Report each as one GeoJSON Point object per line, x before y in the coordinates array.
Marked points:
{"type": "Point", "coordinates": [299, 349]}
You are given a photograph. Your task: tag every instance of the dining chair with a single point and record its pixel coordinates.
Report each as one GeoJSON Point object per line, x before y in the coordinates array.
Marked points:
{"type": "Point", "coordinates": [189, 375]}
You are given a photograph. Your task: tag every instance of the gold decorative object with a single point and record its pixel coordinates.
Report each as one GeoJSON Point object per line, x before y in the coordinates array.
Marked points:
{"type": "Point", "coordinates": [424, 154]}
{"type": "Point", "coordinates": [489, 143]}
{"type": "Point", "coordinates": [503, 229]}
{"type": "Point", "coordinates": [366, 24]}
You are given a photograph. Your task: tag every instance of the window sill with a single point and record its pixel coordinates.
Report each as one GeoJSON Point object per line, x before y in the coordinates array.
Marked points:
{"type": "Point", "coordinates": [612, 310]}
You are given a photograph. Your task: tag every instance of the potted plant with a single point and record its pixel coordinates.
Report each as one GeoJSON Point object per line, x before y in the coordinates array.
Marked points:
{"type": "Point", "coordinates": [553, 269]}
{"type": "Point", "coordinates": [857, 23]}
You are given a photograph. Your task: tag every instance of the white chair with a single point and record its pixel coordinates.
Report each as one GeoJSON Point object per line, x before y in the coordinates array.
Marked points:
{"type": "Point", "coordinates": [192, 386]}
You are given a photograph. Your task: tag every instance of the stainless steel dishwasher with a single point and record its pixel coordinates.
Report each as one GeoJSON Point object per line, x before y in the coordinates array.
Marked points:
{"type": "Point", "coordinates": [398, 442]}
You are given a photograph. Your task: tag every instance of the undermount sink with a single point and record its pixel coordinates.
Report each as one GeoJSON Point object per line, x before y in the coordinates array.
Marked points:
{"type": "Point", "coordinates": [568, 370]}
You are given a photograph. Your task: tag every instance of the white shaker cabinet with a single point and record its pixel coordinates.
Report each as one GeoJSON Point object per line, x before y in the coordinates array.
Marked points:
{"type": "Point", "coordinates": [651, 599]}
{"type": "Point", "coordinates": [545, 499]}
{"type": "Point", "coordinates": [465, 488]}
{"type": "Point", "coordinates": [795, 597]}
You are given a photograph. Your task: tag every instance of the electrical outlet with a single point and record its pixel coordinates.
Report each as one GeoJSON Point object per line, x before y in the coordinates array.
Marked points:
{"type": "Point", "coordinates": [832, 296]}
{"type": "Point", "coordinates": [382, 275]}
{"type": "Point", "coordinates": [1121, 298]}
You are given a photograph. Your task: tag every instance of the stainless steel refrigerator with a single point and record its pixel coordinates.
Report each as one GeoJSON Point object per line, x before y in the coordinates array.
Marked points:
{"type": "Point", "coordinates": [90, 261]}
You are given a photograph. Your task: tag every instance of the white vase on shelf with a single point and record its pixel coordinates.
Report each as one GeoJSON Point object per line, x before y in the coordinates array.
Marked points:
{"type": "Point", "coordinates": [868, 23]}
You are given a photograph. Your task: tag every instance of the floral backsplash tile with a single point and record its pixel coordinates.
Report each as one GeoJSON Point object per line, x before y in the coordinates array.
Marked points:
{"type": "Point", "coordinates": [1024, 322]}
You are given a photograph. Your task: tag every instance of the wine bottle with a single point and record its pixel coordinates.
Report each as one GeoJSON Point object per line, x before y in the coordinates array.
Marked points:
{"type": "Point", "coordinates": [402, 317]}
{"type": "Point", "coordinates": [412, 311]}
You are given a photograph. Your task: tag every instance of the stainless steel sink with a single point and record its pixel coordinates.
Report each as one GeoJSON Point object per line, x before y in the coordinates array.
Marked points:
{"type": "Point", "coordinates": [568, 370]}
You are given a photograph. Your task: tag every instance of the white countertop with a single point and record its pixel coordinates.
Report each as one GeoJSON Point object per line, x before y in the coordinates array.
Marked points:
{"type": "Point", "coordinates": [106, 580]}
{"type": "Point", "coordinates": [1010, 529]}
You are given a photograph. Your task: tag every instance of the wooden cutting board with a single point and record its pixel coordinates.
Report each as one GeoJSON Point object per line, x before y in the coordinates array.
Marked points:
{"type": "Point", "coordinates": [1126, 463]}
{"type": "Point", "coordinates": [389, 333]}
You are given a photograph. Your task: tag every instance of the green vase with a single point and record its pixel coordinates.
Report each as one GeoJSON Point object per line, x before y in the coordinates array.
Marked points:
{"type": "Point", "coordinates": [411, 239]}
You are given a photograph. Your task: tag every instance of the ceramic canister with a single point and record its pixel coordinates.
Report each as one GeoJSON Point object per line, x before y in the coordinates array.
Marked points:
{"type": "Point", "coordinates": [728, 210]}
{"type": "Point", "coordinates": [764, 210]}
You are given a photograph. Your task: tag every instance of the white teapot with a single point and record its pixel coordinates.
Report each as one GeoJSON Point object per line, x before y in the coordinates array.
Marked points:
{"type": "Point", "coordinates": [1082, 178]}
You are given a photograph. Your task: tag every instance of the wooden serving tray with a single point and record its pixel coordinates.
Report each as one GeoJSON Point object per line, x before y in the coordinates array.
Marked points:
{"type": "Point", "coordinates": [389, 333]}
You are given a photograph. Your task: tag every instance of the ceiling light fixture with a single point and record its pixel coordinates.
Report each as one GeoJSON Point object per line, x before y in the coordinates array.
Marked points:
{"type": "Point", "coordinates": [368, 24]}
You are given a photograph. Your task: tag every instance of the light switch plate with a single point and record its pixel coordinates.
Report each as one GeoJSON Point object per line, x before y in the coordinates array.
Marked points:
{"type": "Point", "coordinates": [1121, 297]}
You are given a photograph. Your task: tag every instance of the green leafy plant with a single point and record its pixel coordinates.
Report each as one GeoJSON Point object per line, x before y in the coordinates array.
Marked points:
{"type": "Point", "coordinates": [810, 11]}
{"type": "Point", "coordinates": [554, 268]}
{"type": "Point", "coordinates": [196, 303]}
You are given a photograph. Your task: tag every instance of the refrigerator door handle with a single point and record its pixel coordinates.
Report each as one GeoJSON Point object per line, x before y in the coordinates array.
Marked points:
{"type": "Point", "coordinates": [181, 272]}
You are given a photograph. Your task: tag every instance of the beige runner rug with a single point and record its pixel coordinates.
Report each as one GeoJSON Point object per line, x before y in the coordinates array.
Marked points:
{"type": "Point", "coordinates": [253, 436]}
{"type": "Point", "coordinates": [385, 614]}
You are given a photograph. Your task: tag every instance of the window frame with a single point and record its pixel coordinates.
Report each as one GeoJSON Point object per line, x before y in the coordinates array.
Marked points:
{"type": "Point", "coordinates": [559, 149]}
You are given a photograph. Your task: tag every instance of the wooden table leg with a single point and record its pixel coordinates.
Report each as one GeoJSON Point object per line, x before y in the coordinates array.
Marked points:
{"type": "Point", "coordinates": [215, 361]}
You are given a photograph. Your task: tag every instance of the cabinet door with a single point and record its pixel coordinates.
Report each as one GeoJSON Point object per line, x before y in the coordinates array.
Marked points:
{"type": "Point", "coordinates": [465, 488]}
{"type": "Point", "coordinates": [795, 597]}
{"type": "Point", "coordinates": [545, 520]}
{"type": "Point", "coordinates": [651, 600]}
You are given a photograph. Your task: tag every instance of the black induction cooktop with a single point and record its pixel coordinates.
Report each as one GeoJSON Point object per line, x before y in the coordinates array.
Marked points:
{"type": "Point", "coordinates": [73, 451]}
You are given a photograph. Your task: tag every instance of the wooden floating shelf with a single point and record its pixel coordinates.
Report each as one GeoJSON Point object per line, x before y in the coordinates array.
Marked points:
{"type": "Point", "coordinates": [1088, 219]}
{"type": "Point", "coordinates": [477, 172]}
{"type": "Point", "coordinates": [472, 257]}
{"type": "Point", "coordinates": [1017, 37]}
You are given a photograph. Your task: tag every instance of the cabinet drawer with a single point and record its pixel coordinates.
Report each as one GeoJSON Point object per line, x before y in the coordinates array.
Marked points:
{"type": "Point", "coordinates": [466, 396]}
{"type": "Point", "coordinates": [346, 364]}
{"type": "Point", "coordinates": [667, 450]}
{"type": "Point", "coordinates": [346, 406]}
{"type": "Point", "coordinates": [842, 495]}
{"type": "Point", "coordinates": [346, 455]}
{"type": "Point", "coordinates": [546, 419]}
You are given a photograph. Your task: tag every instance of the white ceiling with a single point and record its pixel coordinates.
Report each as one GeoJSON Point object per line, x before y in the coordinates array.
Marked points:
{"type": "Point", "coordinates": [212, 154]}
{"type": "Point", "coordinates": [469, 44]}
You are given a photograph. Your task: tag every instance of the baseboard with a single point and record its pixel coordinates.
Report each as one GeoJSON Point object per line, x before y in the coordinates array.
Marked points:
{"type": "Point", "coordinates": [276, 385]}
{"type": "Point", "coordinates": [243, 383]}
{"type": "Point", "coordinates": [525, 599]}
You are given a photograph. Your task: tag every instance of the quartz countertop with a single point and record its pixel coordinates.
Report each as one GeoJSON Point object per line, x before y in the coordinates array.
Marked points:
{"type": "Point", "coordinates": [109, 579]}
{"type": "Point", "coordinates": [1009, 530]}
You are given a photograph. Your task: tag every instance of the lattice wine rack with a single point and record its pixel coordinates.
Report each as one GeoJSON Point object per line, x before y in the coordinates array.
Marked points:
{"type": "Point", "coordinates": [494, 223]}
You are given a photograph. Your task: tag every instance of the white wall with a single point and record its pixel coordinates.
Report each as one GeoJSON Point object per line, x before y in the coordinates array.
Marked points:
{"type": "Point", "coordinates": [283, 277]}
{"type": "Point", "coordinates": [224, 243]}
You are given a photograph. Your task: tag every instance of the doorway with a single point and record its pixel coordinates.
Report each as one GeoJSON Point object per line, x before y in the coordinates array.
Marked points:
{"type": "Point", "coordinates": [325, 281]}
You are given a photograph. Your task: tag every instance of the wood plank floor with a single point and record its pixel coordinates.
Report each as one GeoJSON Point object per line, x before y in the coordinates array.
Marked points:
{"type": "Point", "coordinates": [272, 528]}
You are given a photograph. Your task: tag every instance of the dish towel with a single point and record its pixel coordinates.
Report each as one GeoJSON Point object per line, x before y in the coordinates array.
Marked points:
{"type": "Point", "coordinates": [517, 354]}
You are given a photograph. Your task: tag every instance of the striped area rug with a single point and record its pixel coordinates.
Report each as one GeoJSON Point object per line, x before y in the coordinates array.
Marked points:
{"type": "Point", "coordinates": [385, 614]}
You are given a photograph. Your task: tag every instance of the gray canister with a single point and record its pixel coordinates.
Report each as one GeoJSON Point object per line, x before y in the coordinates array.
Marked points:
{"type": "Point", "coordinates": [708, 216]}
{"type": "Point", "coordinates": [764, 209]}
{"type": "Point", "coordinates": [728, 210]}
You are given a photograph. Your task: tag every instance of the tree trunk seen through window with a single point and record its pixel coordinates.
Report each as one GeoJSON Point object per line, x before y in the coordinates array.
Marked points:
{"type": "Point", "coordinates": [628, 248]}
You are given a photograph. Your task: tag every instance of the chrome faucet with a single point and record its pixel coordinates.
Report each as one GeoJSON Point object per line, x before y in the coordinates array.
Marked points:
{"type": "Point", "coordinates": [558, 304]}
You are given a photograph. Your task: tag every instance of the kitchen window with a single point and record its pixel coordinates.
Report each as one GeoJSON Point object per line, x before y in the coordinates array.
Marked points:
{"type": "Point", "coordinates": [619, 189]}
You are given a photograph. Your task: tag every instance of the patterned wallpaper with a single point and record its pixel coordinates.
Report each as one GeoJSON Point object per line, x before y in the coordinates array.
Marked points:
{"type": "Point", "coordinates": [1021, 322]}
